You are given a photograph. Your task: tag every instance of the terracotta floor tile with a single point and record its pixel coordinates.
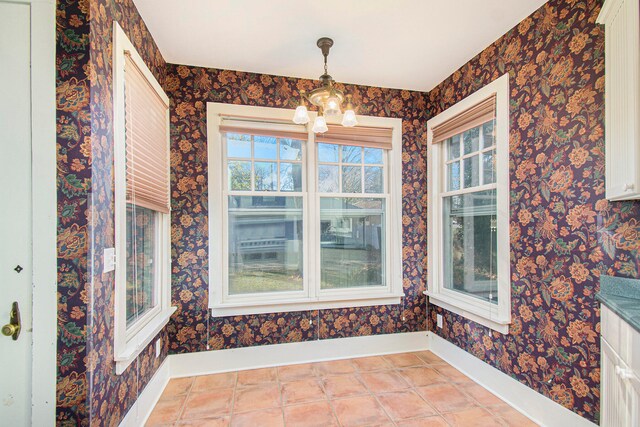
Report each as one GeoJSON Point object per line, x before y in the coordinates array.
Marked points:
{"type": "Point", "coordinates": [453, 374]}
{"type": "Point", "coordinates": [209, 404]}
{"type": "Point", "coordinates": [511, 416]}
{"type": "Point", "coordinates": [429, 358]}
{"type": "Point", "coordinates": [256, 397]}
{"type": "Point", "coordinates": [436, 421]}
{"type": "Point", "coordinates": [177, 387]}
{"type": "Point", "coordinates": [343, 386]}
{"type": "Point", "coordinates": [359, 411]}
{"type": "Point", "coordinates": [421, 375]}
{"type": "Point", "coordinates": [474, 417]}
{"type": "Point", "coordinates": [214, 381]}
{"type": "Point", "coordinates": [335, 367]}
{"type": "Point", "coordinates": [296, 372]}
{"type": "Point", "coordinates": [403, 360]}
{"type": "Point", "coordinates": [445, 397]}
{"type": "Point", "coordinates": [316, 414]}
{"type": "Point", "coordinates": [383, 381]}
{"type": "Point", "coordinates": [267, 418]}
{"type": "Point", "coordinates": [257, 376]}
{"type": "Point", "coordinates": [405, 404]}
{"type": "Point", "coordinates": [481, 395]}
{"type": "Point", "coordinates": [301, 391]}
{"type": "Point", "coordinates": [166, 410]}
{"type": "Point", "coordinates": [374, 363]}
{"type": "Point", "coordinates": [206, 422]}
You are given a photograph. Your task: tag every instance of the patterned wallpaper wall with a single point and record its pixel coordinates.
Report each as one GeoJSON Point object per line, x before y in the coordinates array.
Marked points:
{"type": "Point", "coordinates": [564, 234]}
{"type": "Point", "coordinates": [88, 391]}
{"type": "Point", "coordinates": [191, 329]}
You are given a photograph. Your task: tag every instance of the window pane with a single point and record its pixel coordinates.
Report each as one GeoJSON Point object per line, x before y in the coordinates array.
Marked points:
{"type": "Point", "coordinates": [265, 244]}
{"type": "Point", "coordinates": [487, 134]}
{"type": "Point", "coordinates": [351, 154]}
{"type": "Point", "coordinates": [489, 167]}
{"type": "Point", "coordinates": [238, 145]}
{"type": "Point", "coordinates": [471, 139]}
{"type": "Point", "coordinates": [453, 147]}
{"type": "Point", "coordinates": [352, 241]}
{"type": "Point", "coordinates": [290, 177]}
{"type": "Point", "coordinates": [328, 176]}
{"type": "Point", "coordinates": [471, 171]}
{"type": "Point", "coordinates": [351, 179]}
{"type": "Point", "coordinates": [239, 175]}
{"type": "Point", "coordinates": [290, 149]}
{"type": "Point", "coordinates": [264, 147]}
{"type": "Point", "coordinates": [373, 156]}
{"type": "Point", "coordinates": [470, 250]}
{"type": "Point", "coordinates": [373, 182]}
{"type": "Point", "coordinates": [453, 176]}
{"type": "Point", "coordinates": [140, 267]}
{"type": "Point", "coordinates": [328, 153]}
{"type": "Point", "coordinates": [266, 176]}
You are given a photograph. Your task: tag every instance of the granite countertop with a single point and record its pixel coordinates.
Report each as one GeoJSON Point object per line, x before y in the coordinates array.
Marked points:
{"type": "Point", "coordinates": [622, 296]}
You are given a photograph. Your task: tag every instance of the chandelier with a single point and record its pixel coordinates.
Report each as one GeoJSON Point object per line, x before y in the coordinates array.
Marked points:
{"type": "Point", "coordinates": [327, 98]}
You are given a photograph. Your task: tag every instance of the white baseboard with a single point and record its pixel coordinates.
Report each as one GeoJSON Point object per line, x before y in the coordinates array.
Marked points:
{"type": "Point", "coordinates": [210, 362]}
{"type": "Point", "coordinates": [141, 409]}
{"type": "Point", "coordinates": [534, 405]}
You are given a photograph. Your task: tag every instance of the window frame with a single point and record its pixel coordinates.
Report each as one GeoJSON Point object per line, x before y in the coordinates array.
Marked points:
{"type": "Point", "coordinates": [312, 297]}
{"type": "Point", "coordinates": [495, 316]}
{"type": "Point", "coordinates": [129, 341]}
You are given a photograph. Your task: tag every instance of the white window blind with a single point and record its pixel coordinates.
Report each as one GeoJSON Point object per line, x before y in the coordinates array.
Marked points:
{"type": "Point", "coordinates": [146, 133]}
{"type": "Point", "coordinates": [362, 136]}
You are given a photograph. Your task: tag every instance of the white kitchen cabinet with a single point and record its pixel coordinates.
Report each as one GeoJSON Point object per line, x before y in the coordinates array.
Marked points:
{"type": "Point", "coordinates": [620, 379]}
{"type": "Point", "coordinates": [621, 22]}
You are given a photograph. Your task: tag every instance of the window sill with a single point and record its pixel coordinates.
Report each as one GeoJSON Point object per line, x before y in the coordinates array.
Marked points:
{"type": "Point", "coordinates": [238, 309]}
{"type": "Point", "coordinates": [142, 339]}
{"type": "Point", "coordinates": [477, 315]}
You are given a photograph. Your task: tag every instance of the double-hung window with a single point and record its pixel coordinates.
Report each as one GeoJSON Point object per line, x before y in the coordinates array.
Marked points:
{"type": "Point", "coordinates": [301, 221]}
{"type": "Point", "coordinates": [468, 227]}
{"type": "Point", "coordinates": [141, 167]}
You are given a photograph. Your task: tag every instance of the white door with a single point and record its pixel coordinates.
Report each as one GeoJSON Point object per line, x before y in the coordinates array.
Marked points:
{"type": "Point", "coordinates": [15, 212]}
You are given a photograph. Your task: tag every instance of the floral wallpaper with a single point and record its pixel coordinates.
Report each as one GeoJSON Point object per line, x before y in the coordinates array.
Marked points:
{"type": "Point", "coordinates": [564, 234]}
{"type": "Point", "coordinates": [191, 328]}
{"type": "Point", "coordinates": [88, 391]}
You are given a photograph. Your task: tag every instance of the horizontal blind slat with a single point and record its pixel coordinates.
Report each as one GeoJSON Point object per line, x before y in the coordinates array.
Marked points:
{"type": "Point", "coordinates": [474, 116]}
{"type": "Point", "coordinates": [147, 156]}
{"type": "Point", "coordinates": [362, 136]}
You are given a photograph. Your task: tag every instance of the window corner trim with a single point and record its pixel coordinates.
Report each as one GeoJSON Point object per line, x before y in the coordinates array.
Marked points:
{"type": "Point", "coordinates": [142, 339]}
{"type": "Point", "coordinates": [478, 316]}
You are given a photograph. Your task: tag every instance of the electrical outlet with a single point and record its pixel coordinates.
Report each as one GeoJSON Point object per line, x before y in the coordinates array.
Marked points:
{"type": "Point", "coordinates": [158, 347]}
{"type": "Point", "coordinates": [439, 320]}
{"type": "Point", "coordinates": [109, 260]}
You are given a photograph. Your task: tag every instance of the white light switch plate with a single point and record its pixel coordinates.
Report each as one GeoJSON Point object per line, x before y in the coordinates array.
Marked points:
{"type": "Point", "coordinates": [158, 347]}
{"type": "Point", "coordinates": [109, 261]}
{"type": "Point", "coordinates": [439, 320]}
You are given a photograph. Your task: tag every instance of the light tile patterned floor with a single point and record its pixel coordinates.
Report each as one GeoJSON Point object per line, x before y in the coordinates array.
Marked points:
{"type": "Point", "coordinates": [406, 389]}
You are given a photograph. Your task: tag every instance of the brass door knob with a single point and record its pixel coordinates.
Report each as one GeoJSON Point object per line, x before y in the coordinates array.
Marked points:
{"type": "Point", "coordinates": [10, 329]}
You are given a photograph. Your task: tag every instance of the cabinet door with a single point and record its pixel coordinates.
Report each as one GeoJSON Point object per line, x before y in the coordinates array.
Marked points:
{"type": "Point", "coordinates": [615, 394]}
{"type": "Point", "coordinates": [622, 109]}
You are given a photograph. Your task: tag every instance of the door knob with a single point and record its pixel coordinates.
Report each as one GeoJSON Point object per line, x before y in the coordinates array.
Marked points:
{"type": "Point", "coordinates": [12, 329]}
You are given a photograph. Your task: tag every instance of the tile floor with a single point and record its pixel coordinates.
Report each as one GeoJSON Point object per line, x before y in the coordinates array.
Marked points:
{"type": "Point", "coordinates": [405, 389]}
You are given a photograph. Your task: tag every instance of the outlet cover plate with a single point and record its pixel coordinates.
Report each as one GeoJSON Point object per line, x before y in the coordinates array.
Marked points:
{"type": "Point", "coordinates": [439, 320]}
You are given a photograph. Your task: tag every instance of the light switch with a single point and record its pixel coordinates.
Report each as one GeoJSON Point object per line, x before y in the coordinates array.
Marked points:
{"type": "Point", "coordinates": [158, 347]}
{"type": "Point", "coordinates": [439, 320]}
{"type": "Point", "coordinates": [109, 261]}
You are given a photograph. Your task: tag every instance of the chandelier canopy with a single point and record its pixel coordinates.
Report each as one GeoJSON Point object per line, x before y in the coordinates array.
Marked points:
{"type": "Point", "coordinates": [327, 98]}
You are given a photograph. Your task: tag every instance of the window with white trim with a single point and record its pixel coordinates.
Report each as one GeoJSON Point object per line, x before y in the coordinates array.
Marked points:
{"type": "Point", "coordinates": [142, 217]}
{"type": "Point", "coordinates": [301, 221]}
{"type": "Point", "coordinates": [468, 205]}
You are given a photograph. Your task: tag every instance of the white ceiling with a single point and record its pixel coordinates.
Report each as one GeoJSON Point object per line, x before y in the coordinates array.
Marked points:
{"type": "Point", "coordinates": [407, 44]}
